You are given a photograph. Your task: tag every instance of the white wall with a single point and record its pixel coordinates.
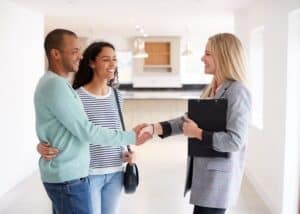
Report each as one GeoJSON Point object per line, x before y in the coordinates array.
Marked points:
{"type": "Point", "coordinates": [21, 63]}
{"type": "Point", "coordinates": [191, 70]}
{"type": "Point", "coordinates": [266, 151]}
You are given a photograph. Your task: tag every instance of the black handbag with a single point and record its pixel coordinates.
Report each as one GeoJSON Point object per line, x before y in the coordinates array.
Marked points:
{"type": "Point", "coordinates": [131, 174]}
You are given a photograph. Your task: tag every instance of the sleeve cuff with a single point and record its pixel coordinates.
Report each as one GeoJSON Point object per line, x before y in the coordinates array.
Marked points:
{"type": "Point", "coordinates": [207, 138]}
{"type": "Point", "coordinates": [167, 130]}
{"type": "Point", "coordinates": [131, 138]}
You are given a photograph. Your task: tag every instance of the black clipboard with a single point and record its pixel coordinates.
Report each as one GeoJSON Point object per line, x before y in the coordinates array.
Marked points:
{"type": "Point", "coordinates": [210, 115]}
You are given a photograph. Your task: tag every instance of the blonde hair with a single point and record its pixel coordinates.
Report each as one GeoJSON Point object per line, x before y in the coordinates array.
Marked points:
{"type": "Point", "coordinates": [229, 58]}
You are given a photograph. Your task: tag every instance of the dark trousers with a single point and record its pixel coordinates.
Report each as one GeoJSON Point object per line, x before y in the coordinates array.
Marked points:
{"type": "Point", "coordinates": [71, 197]}
{"type": "Point", "coordinates": [208, 210]}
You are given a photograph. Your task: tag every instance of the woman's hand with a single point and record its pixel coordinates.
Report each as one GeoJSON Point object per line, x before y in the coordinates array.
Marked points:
{"type": "Point", "coordinates": [157, 129]}
{"type": "Point", "coordinates": [129, 157]}
{"type": "Point", "coordinates": [191, 129]}
{"type": "Point", "coordinates": [46, 151]}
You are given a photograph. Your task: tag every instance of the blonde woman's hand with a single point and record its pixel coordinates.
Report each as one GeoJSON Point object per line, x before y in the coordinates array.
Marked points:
{"type": "Point", "coordinates": [191, 129]}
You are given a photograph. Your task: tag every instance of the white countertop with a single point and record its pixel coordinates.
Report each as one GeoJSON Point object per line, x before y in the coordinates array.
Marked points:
{"type": "Point", "coordinates": [178, 95]}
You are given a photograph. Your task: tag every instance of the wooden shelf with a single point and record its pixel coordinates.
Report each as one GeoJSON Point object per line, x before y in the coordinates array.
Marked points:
{"type": "Point", "coordinates": [157, 69]}
{"type": "Point", "coordinates": [157, 66]}
{"type": "Point", "coordinates": [158, 53]}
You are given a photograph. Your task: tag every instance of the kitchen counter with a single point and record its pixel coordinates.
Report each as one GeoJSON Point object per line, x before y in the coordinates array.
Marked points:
{"type": "Point", "coordinates": [183, 93]}
{"type": "Point", "coordinates": [177, 95]}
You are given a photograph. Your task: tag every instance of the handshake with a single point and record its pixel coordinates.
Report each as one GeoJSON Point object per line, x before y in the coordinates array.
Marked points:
{"type": "Point", "coordinates": [144, 132]}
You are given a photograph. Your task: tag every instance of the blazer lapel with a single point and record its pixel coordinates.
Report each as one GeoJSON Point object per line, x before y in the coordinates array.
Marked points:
{"type": "Point", "coordinates": [223, 88]}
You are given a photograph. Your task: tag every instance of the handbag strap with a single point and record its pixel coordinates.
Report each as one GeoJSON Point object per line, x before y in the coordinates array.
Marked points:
{"type": "Point", "coordinates": [120, 114]}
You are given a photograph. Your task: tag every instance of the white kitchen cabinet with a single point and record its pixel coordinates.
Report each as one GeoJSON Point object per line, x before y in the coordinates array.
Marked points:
{"type": "Point", "coordinates": [162, 67]}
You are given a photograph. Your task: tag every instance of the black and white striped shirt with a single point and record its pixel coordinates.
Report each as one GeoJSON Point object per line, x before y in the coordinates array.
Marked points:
{"type": "Point", "coordinates": [103, 111]}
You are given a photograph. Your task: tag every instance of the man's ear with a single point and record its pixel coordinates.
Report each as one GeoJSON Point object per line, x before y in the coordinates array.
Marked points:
{"type": "Point", "coordinates": [55, 54]}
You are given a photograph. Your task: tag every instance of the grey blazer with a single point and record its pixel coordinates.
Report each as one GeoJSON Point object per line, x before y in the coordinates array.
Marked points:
{"type": "Point", "coordinates": [216, 181]}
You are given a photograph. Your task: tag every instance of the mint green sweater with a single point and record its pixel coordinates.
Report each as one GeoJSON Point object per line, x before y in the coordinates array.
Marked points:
{"type": "Point", "coordinates": [61, 121]}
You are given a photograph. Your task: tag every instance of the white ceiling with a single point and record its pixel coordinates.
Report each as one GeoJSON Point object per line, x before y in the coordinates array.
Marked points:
{"type": "Point", "coordinates": [157, 17]}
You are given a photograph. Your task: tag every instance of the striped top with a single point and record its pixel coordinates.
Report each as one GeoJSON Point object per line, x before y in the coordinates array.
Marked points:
{"type": "Point", "coordinates": [103, 111]}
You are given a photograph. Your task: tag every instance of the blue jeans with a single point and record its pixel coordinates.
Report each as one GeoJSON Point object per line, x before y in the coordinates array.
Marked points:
{"type": "Point", "coordinates": [70, 197]}
{"type": "Point", "coordinates": [105, 192]}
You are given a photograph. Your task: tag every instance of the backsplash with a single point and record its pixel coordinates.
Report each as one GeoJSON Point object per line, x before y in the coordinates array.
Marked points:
{"type": "Point", "coordinates": [185, 87]}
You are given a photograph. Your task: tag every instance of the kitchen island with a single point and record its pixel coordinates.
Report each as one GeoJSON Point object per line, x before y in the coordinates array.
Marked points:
{"type": "Point", "coordinates": [156, 104]}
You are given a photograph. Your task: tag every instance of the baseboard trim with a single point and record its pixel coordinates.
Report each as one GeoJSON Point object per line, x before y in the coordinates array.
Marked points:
{"type": "Point", "coordinates": [260, 191]}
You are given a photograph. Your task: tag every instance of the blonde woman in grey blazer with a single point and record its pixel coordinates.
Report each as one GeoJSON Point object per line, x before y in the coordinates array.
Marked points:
{"type": "Point", "coordinates": [215, 181]}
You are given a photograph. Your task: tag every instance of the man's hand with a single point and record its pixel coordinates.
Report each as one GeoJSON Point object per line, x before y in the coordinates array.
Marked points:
{"type": "Point", "coordinates": [149, 128]}
{"type": "Point", "coordinates": [143, 137]}
{"type": "Point", "coordinates": [46, 151]}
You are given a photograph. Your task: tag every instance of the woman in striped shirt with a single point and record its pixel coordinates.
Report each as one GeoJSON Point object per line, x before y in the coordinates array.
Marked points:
{"type": "Point", "coordinates": [94, 83]}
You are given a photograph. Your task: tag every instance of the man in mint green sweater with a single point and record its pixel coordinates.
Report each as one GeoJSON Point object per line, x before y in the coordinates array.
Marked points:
{"type": "Point", "coordinates": [61, 121]}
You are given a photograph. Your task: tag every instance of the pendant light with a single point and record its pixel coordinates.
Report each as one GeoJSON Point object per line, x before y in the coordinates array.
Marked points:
{"type": "Point", "coordinates": [139, 44]}
{"type": "Point", "coordinates": [187, 49]}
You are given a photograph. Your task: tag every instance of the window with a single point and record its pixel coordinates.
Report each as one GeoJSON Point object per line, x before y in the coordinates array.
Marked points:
{"type": "Point", "coordinates": [124, 66]}
{"type": "Point", "coordinates": [256, 75]}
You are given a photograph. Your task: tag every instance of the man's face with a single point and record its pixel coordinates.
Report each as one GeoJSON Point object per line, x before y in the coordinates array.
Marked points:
{"type": "Point", "coordinates": [70, 54]}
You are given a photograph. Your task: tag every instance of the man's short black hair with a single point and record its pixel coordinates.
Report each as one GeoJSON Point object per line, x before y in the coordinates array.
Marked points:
{"type": "Point", "coordinates": [54, 39]}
